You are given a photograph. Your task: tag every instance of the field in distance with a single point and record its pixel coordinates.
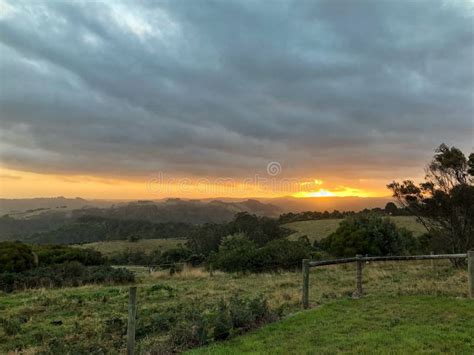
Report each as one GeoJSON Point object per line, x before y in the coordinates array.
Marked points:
{"type": "Point", "coordinates": [114, 247]}
{"type": "Point", "coordinates": [319, 229]}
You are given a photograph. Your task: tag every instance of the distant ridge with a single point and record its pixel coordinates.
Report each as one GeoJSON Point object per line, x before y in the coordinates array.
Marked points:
{"type": "Point", "coordinates": [24, 204]}
{"type": "Point", "coordinates": [294, 204]}
{"type": "Point", "coordinates": [279, 204]}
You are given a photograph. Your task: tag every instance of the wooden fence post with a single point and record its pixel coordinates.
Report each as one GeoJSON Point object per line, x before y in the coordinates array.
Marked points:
{"type": "Point", "coordinates": [132, 314]}
{"type": "Point", "coordinates": [432, 262]}
{"type": "Point", "coordinates": [305, 283]}
{"type": "Point", "coordinates": [470, 261]}
{"type": "Point", "coordinates": [359, 290]}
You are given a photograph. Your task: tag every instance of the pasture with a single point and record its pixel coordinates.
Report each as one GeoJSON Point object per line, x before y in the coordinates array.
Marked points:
{"type": "Point", "coordinates": [146, 246]}
{"type": "Point", "coordinates": [373, 324]}
{"type": "Point", "coordinates": [93, 318]}
{"type": "Point", "coordinates": [319, 229]}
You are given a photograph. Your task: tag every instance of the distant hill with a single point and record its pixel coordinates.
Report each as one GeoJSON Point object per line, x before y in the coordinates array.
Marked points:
{"type": "Point", "coordinates": [177, 210]}
{"type": "Point", "coordinates": [58, 221]}
{"type": "Point", "coordinates": [319, 229]}
{"type": "Point", "coordinates": [294, 204]}
{"type": "Point", "coordinates": [28, 206]}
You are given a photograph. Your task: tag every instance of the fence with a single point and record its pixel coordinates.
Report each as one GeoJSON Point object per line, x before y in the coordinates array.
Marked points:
{"type": "Point", "coordinates": [359, 260]}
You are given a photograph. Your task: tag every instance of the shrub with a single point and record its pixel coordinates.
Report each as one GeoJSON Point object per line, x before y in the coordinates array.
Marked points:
{"type": "Point", "coordinates": [236, 254]}
{"type": "Point", "coordinates": [282, 254]}
{"type": "Point", "coordinates": [368, 234]}
{"type": "Point", "coordinates": [15, 257]}
{"type": "Point", "coordinates": [68, 274]}
{"type": "Point", "coordinates": [10, 326]}
{"type": "Point", "coordinates": [175, 255]}
{"type": "Point", "coordinates": [196, 324]}
{"type": "Point", "coordinates": [58, 254]}
{"type": "Point", "coordinates": [239, 254]}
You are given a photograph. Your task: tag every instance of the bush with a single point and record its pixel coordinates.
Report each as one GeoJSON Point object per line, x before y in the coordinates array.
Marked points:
{"type": "Point", "coordinates": [239, 254]}
{"type": "Point", "coordinates": [236, 253]}
{"type": "Point", "coordinates": [282, 254]}
{"type": "Point", "coordinates": [67, 274]}
{"type": "Point", "coordinates": [175, 255]}
{"type": "Point", "coordinates": [58, 254]}
{"type": "Point", "coordinates": [10, 326]}
{"type": "Point", "coordinates": [196, 324]}
{"type": "Point", "coordinates": [15, 257]}
{"type": "Point", "coordinates": [368, 234]}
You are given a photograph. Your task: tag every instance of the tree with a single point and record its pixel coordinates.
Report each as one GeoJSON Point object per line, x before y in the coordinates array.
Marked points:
{"type": "Point", "coordinates": [15, 257]}
{"type": "Point", "coordinates": [391, 208]}
{"type": "Point", "coordinates": [368, 234]}
{"type": "Point", "coordinates": [236, 254]}
{"type": "Point", "coordinates": [444, 202]}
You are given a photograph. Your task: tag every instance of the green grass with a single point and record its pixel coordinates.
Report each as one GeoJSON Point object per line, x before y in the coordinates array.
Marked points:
{"type": "Point", "coordinates": [145, 245]}
{"type": "Point", "coordinates": [314, 230]}
{"type": "Point", "coordinates": [403, 325]}
{"type": "Point", "coordinates": [94, 316]}
{"type": "Point", "coordinates": [319, 229]}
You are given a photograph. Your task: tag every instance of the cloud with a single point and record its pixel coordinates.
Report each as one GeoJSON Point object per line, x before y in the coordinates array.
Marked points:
{"type": "Point", "coordinates": [210, 88]}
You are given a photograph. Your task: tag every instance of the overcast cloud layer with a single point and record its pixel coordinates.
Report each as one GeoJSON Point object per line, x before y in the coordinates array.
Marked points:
{"type": "Point", "coordinates": [220, 88]}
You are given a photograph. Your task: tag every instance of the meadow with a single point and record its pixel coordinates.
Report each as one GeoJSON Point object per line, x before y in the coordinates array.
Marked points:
{"type": "Point", "coordinates": [313, 229]}
{"type": "Point", "coordinates": [319, 229]}
{"type": "Point", "coordinates": [114, 247]}
{"type": "Point", "coordinates": [92, 319]}
{"type": "Point", "coordinates": [373, 324]}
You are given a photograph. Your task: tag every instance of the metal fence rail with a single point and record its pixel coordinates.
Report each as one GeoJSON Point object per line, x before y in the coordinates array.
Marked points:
{"type": "Point", "coordinates": [359, 260]}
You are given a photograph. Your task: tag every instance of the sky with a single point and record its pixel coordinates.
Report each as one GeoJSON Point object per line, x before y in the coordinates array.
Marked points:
{"type": "Point", "coordinates": [152, 99]}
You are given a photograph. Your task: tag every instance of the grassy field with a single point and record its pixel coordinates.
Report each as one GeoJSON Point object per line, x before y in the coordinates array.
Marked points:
{"type": "Point", "coordinates": [93, 318]}
{"type": "Point", "coordinates": [395, 325]}
{"type": "Point", "coordinates": [145, 245]}
{"type": "Point", "coordinates": [319, 229]}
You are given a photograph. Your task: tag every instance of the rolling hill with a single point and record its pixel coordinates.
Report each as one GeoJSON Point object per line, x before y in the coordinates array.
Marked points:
{"type": "Point", "coordinates": [319, 229]}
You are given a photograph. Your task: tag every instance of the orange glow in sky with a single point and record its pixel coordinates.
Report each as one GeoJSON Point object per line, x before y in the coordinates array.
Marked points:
{"type": "Point", "coordinates": [20, 184]}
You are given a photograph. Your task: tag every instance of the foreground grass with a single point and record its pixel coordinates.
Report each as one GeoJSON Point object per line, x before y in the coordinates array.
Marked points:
{"type": "Point", "coordinates": [114, 247]}
{"type": "Point", "coordinates": [406, 324]}
{"type": "Point", "coordinates": [319, 229]}
{"type": "Point", "coordinates": [94, 317]}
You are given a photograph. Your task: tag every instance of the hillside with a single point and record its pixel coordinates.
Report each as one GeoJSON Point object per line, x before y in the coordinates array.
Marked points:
{"type": "Point", "coordinates": [319, 229]}
{"type": "Point", "coordinates": [28, 206]}
{"type": "Point", "coordinates": [407, 324]}
{"type": "Point", "coordinates": [144, 245]}
{"type": "Point", "coordinates": [54, 222]}
{"type": "Point", "coordinates": [177, 210]}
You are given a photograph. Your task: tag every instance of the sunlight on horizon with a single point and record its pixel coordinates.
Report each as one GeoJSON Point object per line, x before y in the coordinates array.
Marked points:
{"type": "Point", "coordinates": [346, 192]}
{"type": "Point", "coordinates": [21, 184]}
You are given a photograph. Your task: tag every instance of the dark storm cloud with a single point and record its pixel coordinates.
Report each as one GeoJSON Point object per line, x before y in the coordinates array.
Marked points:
{"type": "Point", "coordinates": [224, 87]}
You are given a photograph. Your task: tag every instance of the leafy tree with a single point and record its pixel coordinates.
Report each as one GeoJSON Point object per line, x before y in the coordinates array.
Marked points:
{"type": "Point", "coordinates": [444, 202]}
{"type": "Point", "coordinates": [259, 229]}
{"type": "Point", "coordinates": [207, 238]}
{"type": "Point", "coordinates": [236, 254]}
{"type": "Point", "coordinates": [15, 257]}
{"type": "Point", "coordinates": [283, 254]}
{"type": "Point", "coordinates": [391, 208]}
{"type": "Point", "coordinates": [368, 234]}
{"type": "Point", "coordinates": [58, 254]}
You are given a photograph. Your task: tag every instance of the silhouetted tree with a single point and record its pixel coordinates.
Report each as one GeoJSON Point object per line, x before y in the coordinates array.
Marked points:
{"type": "Point", "coordinates": [444, 203]}
{"type": "Point", "coordinates": [391, 208]}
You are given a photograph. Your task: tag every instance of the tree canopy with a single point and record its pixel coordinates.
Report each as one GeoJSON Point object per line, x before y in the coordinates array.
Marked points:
{"type": "Point", "coordinates": [444, 202]}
